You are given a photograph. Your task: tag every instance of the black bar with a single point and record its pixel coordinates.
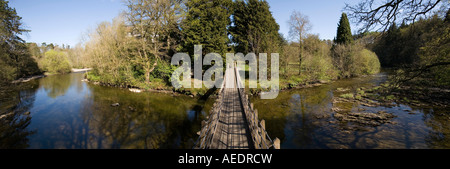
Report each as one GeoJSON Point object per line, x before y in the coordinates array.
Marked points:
{"type": "Point", "coordinates": [168, 159]}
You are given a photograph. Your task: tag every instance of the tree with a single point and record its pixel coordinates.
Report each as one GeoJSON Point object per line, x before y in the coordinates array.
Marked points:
{"type": "Point", "coordinates": [108, 49]}
{"type": "Point", "coordinates": [248, 32]}
{"type": "Point", "coordinates": [206, 24]}
{"type": "Point", "coordinates": [151, 23]}
{"type": "Point", "coordinates": [383, 15]}
{"type": "Point", "coordinates": [344, 32]}
{"type": "Point", "coordinates": [15, 60]}
{"type": "Point", "coordinates": [56, 62]}
{"type": "Point", "coordinates": [389, 47]}
{"type": "Point", "coordinates": [299, 26]}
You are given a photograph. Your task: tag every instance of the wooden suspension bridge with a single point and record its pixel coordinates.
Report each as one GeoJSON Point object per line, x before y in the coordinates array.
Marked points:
{"type": "Point", "coordinates": [233, 122]}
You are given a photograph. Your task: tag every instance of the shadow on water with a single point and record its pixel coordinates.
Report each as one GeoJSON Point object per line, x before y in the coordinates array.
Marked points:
{"type": "Point", "coordinates": [15, 103]}
{"type": "Point", "coordinates": [303, 118]}
{"type": "Point", "coordinates": [61, 111]}
{"type": "Point", "coordinates": [69, 113]}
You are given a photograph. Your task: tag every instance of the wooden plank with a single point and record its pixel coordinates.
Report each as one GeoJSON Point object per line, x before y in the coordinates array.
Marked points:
{"type": "Point", "coordinates": [233, 129]}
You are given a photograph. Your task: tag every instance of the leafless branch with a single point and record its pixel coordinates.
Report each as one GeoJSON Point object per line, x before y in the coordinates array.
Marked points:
{"type": "Point", "coordinates": [380, 16]}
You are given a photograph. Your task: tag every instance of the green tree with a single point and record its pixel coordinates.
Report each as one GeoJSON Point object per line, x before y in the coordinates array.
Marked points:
{"type": "Point", "coordinates": [15, 60]}
{"type": "Point", "coordinates": [206, 24]}
{"type": "Point", "coordinates": [344, 32]}
{"type": "Point", "coordinates": [56, 62]}
{"type": "Point", "coordinates": [254, 29]}
{"type": "Point", "coordinates": [389, 47]}
{"type": "Point", "coordinates": [108, 50]}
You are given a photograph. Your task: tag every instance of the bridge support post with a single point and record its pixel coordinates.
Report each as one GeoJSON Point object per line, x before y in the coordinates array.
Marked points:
{"type": "Point", "coordinates": [263, 133]}
{"type": "Point", "coordinates": [276, 143]}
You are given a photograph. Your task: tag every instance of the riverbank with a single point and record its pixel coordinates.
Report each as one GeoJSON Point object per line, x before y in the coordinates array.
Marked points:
{"type": "Point", "coordinates": [201, 92]}
{"type": "Point", "coordinates": [81, 70]}
{"type": "Point", "coordinates": [27, 79]}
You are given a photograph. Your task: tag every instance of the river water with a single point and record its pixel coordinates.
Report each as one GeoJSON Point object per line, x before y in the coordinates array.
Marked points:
{"type": "Point", "coordinates": [61, 111]}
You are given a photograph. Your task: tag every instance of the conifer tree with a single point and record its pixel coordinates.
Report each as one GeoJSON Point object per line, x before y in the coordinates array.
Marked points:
{"type": "Point", "coordinates": [344, 33]}
{"type": "Point", "coordinates": [255, 29]}
{"type": "Point", "coordinates": [206, 24]}
{"type": "Point", "coordinates": [15, 60]}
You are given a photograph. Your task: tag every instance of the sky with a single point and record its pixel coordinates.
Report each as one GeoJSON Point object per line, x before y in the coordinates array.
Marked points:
{"type": "Point", "coordinates": [68, 21]}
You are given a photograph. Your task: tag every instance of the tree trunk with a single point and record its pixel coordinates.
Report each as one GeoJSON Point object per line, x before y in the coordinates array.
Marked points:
{"type": "Point", "coordinates": [300, 58]}
{"type": "Point", "coordinates": [149, 70]}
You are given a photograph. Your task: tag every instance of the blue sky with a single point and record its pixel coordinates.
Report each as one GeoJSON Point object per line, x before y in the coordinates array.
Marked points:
{"type": "Point", "coordinates": [65, 21]}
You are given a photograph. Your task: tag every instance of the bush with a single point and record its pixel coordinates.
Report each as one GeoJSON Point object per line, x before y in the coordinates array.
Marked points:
{"type": "Point", "coordinates": [354, 60]}
{"type": "Point", "coordinates": [365, 63]}
{"type": "Point", "coordinates": [56, 62]}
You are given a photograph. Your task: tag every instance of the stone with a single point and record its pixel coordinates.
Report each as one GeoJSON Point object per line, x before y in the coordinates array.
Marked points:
{"type": "Point", "coordinates": [115, 104]}
{"type": "Point", "coordinates": [135, 90]}
{"type": "Point", "coordinates": [365, 118]}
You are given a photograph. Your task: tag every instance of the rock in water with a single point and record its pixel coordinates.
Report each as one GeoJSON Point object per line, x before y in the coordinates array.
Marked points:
{"type": "Point", "coordinates": [364, 118]}
{"type": "Point", "coordinates": [115, 104]}
{"type": "Point", "coordinates": [134, 90]}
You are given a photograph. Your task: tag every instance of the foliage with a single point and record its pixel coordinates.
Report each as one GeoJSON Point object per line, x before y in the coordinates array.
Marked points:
{"type": "Point", "coordinates": [206, 24]}
{"type": "Point", "coordinates": [108, 53]}
{"type": "Point", "coordinates": [344, 32]}
{"type": "Point", "coordinates": [56, 62]}
{"type": "Point", "coordinates": [366, 63]}
{"type": "Point", "coordinates": [437, 52]}
{"type": "Point", "coordinates": [317, 62]}
{"type": "Point", "coordinates": [419, 51]}
{"type": "Point", "coordinates": [248, 32]}
{"type": "Point", "coordinates": [15, 60]}
{"type": "Point", "coordinates": [355, 60]}
{"type": "Point", "coordinates": [152, 23]}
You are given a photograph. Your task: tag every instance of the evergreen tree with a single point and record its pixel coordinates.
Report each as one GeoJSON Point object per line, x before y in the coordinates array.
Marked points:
{"type": "Point", "coordinates": [15, 60]}
{"type": "Point", "coordinates": [389, 47]}
{"type": "Point", "coordinates": [206, 24]}
{"type": "Point", "coordinates": [344, 32]}
{"type": "Point", "coordinates": [255, 29]}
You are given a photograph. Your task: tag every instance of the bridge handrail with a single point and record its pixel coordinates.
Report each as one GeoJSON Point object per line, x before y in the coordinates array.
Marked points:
{"type": "Point", "coordinates": [257, 129]}
{"type": "Point", "coordinates": [209, 127]}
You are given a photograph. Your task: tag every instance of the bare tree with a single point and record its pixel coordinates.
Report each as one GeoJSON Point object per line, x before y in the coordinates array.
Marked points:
{"type": "Point", "coordinates": [382, 15]}
{"type": "Point", "coordinates": [299, 26]}
{"type": "Point", "coordinates": [151, 22]}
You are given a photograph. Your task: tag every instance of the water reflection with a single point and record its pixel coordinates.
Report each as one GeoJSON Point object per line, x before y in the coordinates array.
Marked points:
{"type": "Point", "coordinates": [80, 115]}
{"type": "Point", "coordinates": [61, 111]}
{"type": "Point", "coordinates": [303, 118]}
{"type": "Point", "coordinates": [16, 100]}
{"type": "Point", "coordinates": [438, 119]}
{"type": "Point", "coordinates": [57, 85]}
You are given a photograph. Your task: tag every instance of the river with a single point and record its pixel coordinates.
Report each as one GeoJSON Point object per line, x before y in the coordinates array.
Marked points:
{"type": "Point", "coordinates": [61, 111]}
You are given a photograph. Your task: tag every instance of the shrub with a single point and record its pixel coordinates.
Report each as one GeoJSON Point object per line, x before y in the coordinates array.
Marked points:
{"type": "Point", "coordinates": [354, 60]}
{"type": "Point", "coordinates": [365, 62]}
{"type": "Point", "coordinates": [56, 62]}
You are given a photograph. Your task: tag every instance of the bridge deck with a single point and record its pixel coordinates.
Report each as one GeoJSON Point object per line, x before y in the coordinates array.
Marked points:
{"type": "Point", "coordinates": [229, 126]}
{"type": "Point", "coordinates": [232, 130]}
